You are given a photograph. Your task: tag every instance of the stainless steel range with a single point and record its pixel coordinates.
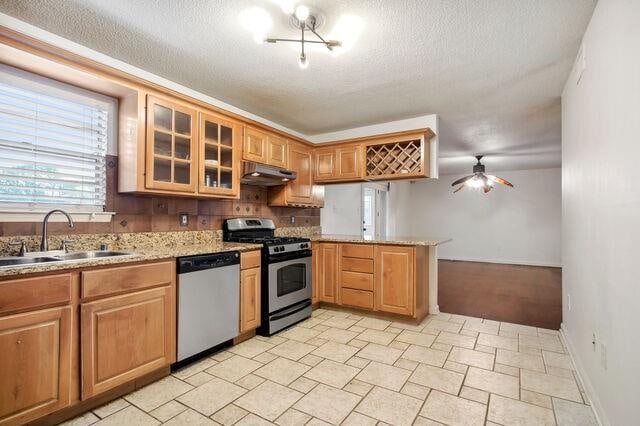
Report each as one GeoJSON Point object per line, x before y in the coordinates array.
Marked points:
{"type": "Point", "coordinates": [286, 272]}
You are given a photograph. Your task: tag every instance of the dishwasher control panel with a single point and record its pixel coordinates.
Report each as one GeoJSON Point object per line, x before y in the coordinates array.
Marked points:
{"type": "Point", "coordinates": [207, 261]}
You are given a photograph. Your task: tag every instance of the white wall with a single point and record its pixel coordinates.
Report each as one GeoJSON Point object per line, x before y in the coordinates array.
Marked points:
{"type": "Point", "coordinates": [601, 211]}
{"type": "Point", "coordinates": [508, 225]}
{"type": "Point", "coordinates": [342, 211]}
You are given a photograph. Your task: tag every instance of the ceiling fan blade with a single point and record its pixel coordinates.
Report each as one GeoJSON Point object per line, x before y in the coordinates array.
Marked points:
{"type": "Point", "coordinates": [460, 188]}
{"type": "Point", "coordinates": [500, 180]}
{"type": "Point", "coordinates": [462, 180]}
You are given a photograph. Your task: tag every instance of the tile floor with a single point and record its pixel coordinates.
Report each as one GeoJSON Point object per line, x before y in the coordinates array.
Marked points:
{"type": "Point", "coordinates": [341, 368]}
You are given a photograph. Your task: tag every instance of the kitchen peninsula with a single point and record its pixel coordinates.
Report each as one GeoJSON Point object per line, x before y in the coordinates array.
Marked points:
{"type": "Point", "coordinates": [394, 275]}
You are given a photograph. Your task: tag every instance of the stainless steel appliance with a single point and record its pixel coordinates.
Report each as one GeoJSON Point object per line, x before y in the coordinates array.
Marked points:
{"type": "Point", "coordinates": [264, 175]}
{"type": "Point", "coordinates": [286, 272]}
{"type": "Point", "coordinates": [208, 302]}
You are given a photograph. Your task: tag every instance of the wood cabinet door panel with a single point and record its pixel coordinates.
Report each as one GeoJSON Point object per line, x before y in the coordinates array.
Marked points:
{"type": "Point", "coordinates": [219, 155]}
{"type": "Point", "coordinates": [172, 151]}
{"type": "Point", "coordinates": [357, 298]}
{"type": "Point", "coordinates": [394, 279]}
{"type": "Point", "coordinates": [277, 151]}
{"type": "Point", "coordinates": [356, 280]}
{"type": "Point", "coordinates": [329, 272]}
{"type": "Point", "coordinates": [348, 162]}
{"type": "Point", "coordinates": [249, 299]}
{"type": "Point", "coordinates": [124, 337]}
{"type": "Point", "coordinates": [254, 147]}
{"type": "Point", "coordinates": [35, 364]}
{"type": "Point", "coordinates": [325, 164]}
{"type": "Point", "coordinates": [316, 275]}
{"type": "Point", "coordinates": [300, 190]}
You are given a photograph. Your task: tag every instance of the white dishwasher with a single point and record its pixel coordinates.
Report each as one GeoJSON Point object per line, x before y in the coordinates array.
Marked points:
{"type": "Point", "coordinates": [208, 302]}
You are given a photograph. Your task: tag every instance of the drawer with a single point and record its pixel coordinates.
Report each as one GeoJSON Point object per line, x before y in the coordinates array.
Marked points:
{"type": "Point", "coordinates": [250, 259]}
{"type": "Point", "coordinates": [358, 298]}
{"type": "Point", "coordinates": [353, 264]}
{"type": "Point", "coordinates": [364, 251]}
{"type": "Point", "coordinates": [103, 282]}
{"type": "Point", "coordinates": [356, 280]}
{"type": "Point", "coordinates": [29, 293]}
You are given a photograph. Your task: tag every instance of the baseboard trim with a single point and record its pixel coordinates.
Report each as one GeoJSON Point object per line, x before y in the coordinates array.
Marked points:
{"type": "Point", "coordinates": [502, 261]}
{"type": "Point", "coordinates": [594, 401]}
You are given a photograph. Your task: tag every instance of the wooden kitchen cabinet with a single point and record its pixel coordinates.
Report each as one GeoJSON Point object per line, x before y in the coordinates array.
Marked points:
{"type": "Point", "coordinates": [325, 164]}
{"type": "Point", "coordinates": [219, 168]}
{"type": "Point", "coordinates": [327, 272]}
{"type": "Point", "coordinates": [349, 162]}
{"type": "Point", "coordinates": [315, 273]}
{"type": "Point", "coordinates": [126, 336]}
{"type": "Point", "coordinates": [171, 160]}
{"type": "Point", "coordinates": [277, 151]}
{"type": "Point", "coordinates": [338, 163]}
{"type": "Point", "coordinates": [394, 279]}
{"type": "Point", "coordinates": [35, 364]}
{"type": "Point", "coordinates": [373, 277]}
{"type": "Point", "coordinates": [301, 191]}
{"type": "Point", "coordinates": [249, 299]}
{"type": "Point", "coordinates": [264, 147]}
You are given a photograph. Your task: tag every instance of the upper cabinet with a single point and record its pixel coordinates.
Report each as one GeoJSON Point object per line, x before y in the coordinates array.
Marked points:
{"type": "Point", "coordinates": [219, 156]}
{"type": "Point", "coordinates": [264, 147]}
{"type": "Point", "coordinates": [184, 151]}
{"type": "Point", "coordinates": [400, 155]}
{"type": "Point", "coordinates": [339, 163]}
{"type": "Point", "coordinates": [171, 146]}
{"type": "Point", "coordinates": [301, 191]}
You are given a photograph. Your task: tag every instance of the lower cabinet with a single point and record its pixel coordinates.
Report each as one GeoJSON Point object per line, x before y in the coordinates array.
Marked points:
{"type": "Point", "coordinates": [375, 277]}
{"type": "Point", "coordinates": [394, 279]}
{"type": "Point", "coordinates": [249, 299]}
{"type": "Point", "coordinates": [327, 277]}
{"type": "Point", "coordinates": [35, 364]}
{"type": "Point", "coordinates": [124, 337]}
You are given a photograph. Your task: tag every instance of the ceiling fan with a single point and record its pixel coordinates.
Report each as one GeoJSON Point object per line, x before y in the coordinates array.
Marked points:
{"type": "Point", "coordinates": [479, 179]}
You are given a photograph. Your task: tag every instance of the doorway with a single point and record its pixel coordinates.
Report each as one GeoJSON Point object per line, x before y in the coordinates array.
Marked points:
{"type": "Point", "coordinates": [374, 211]}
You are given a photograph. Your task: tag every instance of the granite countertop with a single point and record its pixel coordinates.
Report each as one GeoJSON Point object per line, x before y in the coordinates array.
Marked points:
{"type": "Point", "coordinates": [139, 255]}
{"type": "Point", "coordinates": [406, 241]}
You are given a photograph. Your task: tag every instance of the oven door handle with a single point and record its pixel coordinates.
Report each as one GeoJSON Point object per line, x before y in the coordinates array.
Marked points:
{"type": "Point", "coordinates": [290, 311]}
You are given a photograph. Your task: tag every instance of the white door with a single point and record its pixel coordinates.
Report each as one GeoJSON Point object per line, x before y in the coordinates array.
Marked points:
{"type": "Point", "coordinates": [374, 210]}
{"type": "Point", "coordinates": [368, 213]}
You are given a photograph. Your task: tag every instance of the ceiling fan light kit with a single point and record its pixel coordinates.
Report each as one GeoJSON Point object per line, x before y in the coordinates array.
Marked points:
{"type": "Point", "coordinates": [479, 179]}
{"type": "Point", "coordinates": [302, 19]}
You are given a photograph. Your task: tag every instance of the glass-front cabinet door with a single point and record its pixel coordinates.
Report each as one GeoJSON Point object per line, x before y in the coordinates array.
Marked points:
{"type": "Point", "coordinates": [171, 146]}
{"type": "Point", "coordinates": [219, 156]}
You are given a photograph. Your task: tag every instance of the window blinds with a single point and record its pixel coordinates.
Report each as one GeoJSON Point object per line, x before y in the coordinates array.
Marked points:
{"type": "Point", "coordinates": [52, 149]}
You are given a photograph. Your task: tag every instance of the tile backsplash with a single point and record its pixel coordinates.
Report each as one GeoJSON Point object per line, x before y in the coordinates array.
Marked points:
{"type": "Point", "coordinates": [136, 213]}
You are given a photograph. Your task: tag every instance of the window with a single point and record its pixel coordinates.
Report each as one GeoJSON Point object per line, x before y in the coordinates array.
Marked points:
{"type": "Point", "coordinates": [53, 144]}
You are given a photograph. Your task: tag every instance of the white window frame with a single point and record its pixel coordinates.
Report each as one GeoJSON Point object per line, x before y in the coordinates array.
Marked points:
{"type": "Point", "coordinates": [30, 212]}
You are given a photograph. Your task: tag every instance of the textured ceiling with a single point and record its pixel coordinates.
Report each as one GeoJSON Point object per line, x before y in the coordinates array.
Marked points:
{"type": "Point", "coordinates": [493, 70]}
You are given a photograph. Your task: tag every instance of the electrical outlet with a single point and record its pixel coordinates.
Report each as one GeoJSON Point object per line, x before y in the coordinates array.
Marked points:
{"type": "Point", "coordinates": [292, 219]}
{"type": "Point", "coordinates": [184, 219]}
{"type": "Point", "coordinates": [603, 355]}
{"type": "Point", "coordinates": [568, 302]}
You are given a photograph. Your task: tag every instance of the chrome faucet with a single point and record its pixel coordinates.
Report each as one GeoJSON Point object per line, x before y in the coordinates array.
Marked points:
{"type": "Point", "coordinates": [44, 245]}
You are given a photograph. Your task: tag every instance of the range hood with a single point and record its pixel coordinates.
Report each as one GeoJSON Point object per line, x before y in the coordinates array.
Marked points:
{"type": "Point", "coordinates": [263, 175]}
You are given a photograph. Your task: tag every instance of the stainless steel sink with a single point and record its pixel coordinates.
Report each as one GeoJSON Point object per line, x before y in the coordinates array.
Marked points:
{"type": "Point", "coordinates": [92, 255]}
{"type": "Point", "coordinates": [63, 257]}
{"type": "Point", "coordinates": [19, 261]}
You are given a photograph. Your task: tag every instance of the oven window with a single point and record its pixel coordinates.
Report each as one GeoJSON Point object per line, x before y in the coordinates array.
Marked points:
{"type": "Point", "coordinates": [291, 278]}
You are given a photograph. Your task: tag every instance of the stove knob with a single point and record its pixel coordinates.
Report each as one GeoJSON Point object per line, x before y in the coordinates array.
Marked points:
{"type": "Point", "coordinates": [304, 245]}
